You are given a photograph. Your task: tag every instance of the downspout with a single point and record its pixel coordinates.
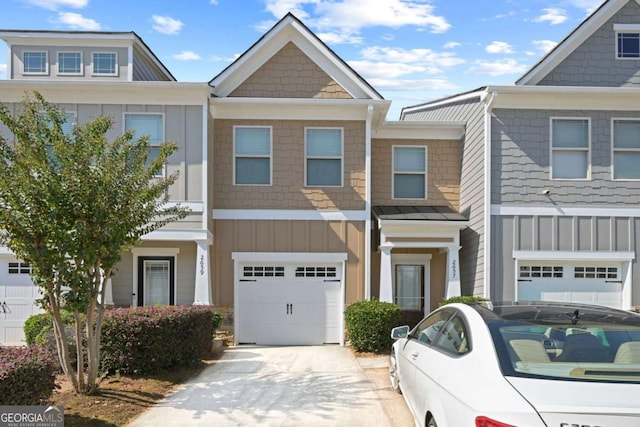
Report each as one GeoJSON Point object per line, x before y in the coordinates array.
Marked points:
{"type": "Point", "coordinates": [367, 206]}
{"type": "Point", "coordinates": [488, 99]}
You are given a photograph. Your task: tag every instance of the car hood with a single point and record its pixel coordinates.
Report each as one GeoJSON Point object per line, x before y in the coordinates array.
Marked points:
{"type": "Point", "coordinates": [589, 404]}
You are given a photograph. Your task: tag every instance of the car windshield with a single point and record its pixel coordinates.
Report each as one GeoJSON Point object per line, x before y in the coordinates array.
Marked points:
{"type": "Point", "coordinates": [583, 344]}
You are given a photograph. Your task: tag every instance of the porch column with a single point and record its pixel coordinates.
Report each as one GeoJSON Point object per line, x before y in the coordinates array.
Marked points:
{"type": "Point", "coordinates": [386, 279]}
{"type": "Point", "coordinates": [108, 293]}
{"type": "Point", "coordinates": [452, 288]}
{"type": "Point", "coordinates": [202, 294]}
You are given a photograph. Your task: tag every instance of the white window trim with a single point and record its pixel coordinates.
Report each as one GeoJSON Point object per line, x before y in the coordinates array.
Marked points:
{"type": "Point", "coordinates": [393, 171]}
{"type": "Point", "coordinates": [588, 149]}
{"type": "Point", "coordinates": [254, 156]}
{"type": "Point", "coordinates": [62, 73]}
{"type": "Point", "coordinates": [614, 150]}
{"type": "Point", "coordinates": [624, 28]}
{"type": "Point", "coordinates": [414, 259]}
{"type": "Point", "coordinates": [93, 64]}
{"type": "Point", "coordinates": [163, 172]}
{"type": "Point", "coordinates": [36, 73]}
{"type": "Point", "coordinates": [306, 157]}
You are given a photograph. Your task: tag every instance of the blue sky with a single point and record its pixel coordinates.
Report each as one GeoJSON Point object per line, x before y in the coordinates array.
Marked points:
{"type": "Point", "coordinates": [410, 51]}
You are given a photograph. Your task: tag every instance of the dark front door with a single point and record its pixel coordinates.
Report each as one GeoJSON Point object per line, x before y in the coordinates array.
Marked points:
{"type": "Point", "coordinates": [156, 280]}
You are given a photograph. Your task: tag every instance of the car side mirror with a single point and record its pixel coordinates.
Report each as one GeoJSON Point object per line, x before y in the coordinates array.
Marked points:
{"type": "Point", "coordinates": [399, 332]}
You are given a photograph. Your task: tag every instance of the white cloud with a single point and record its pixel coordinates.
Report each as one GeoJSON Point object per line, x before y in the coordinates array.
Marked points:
{"type": "Point", "coordinates": [588, 5]}
{"type": "Point", "coordinates": [340, 38]}
{"type": "Point", "coordinates": [452, 45]}
{"type": "Point", "coordinates": [78, 22]}
{"type": "Point", "coordinates": [425, 57]}
{"type": "Point", "coordinates": [499, 47]}
{"type": "Point", "coordinates": [186, 55]}
{"type": "Point", "coordinates": [57, 4]}
{"type": "Point", "coordinates": [213, 2]}
{"type": "Point", "coordinates": [544, 45]}
{"type": "Point", "coordinates": [497, 68]}
{"type": "Point", "coordinates": [166, 24]}
{"type": "Point", "coordinates": [3, 69]}
{"type": "Point", "coordinates": [553, 15]}
{"type": "Point", "coordinates": [412, 85]}
{"type": "Point", "coordinates": [372, 70]}
{"type": "Point", "coordinates": [216, 58]}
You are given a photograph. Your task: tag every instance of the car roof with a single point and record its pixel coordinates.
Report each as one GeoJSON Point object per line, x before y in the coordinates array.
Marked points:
{"type": "Point", "coordinates": [541, 313]}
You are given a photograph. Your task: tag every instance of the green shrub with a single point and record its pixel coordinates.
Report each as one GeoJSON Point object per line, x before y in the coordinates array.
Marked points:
{"type": "Point", "coordinates": [38, 329]}
{"type": "Point", "coordinates": [27, 375]}
{"type": "Point", "coordinates": [217, 319]}
{"type": "Point", "coordinates": [369, 325]}
{"type": "Point", "coordinates": [462, 298]}
{"type": "Point", "coordinates": [146, 340]}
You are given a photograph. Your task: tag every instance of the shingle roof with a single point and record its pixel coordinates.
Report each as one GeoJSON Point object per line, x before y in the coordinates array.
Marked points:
{"type": "Point", "coordinates": [417, 213]}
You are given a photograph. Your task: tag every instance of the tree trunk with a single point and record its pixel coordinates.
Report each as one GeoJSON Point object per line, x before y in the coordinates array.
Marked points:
{"type": "Point", "coordinates": [61, 341]}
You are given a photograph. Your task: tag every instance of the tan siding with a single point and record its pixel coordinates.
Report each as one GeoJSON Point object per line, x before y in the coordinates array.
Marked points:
{"type": "Point", "coordinates": [444, 158]}
{"type": "Point", "coordinates": [290, 74]}
{"type": "Point", "coordinates": [287, 236]}
{"type": "Point", "coordinates": [288, 168]}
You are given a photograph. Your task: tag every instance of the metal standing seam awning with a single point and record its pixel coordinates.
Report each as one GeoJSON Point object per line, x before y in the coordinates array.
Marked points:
{"type": "Point", "coordinates": [418, 227]}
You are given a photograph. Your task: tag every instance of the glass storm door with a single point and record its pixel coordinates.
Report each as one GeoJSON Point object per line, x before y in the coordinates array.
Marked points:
{"type": "Point", "coordinates": [410, 287]}
{"type": "Point", "coordinates": [156, 281]}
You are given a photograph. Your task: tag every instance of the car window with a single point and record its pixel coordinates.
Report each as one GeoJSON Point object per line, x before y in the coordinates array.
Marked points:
{"type": "Point", "coordinates": [454, 337]}
{"type": "Point", "coordinates": [428, 329]}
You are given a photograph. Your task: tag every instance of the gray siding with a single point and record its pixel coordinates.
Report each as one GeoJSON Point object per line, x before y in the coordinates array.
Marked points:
{"type": "Point", "coordinates": [16, 73]}
{"type": "Point", "coordinates": [521, 157]}
{"type": "Point", "coordinates": [144, 69]}
{"type": "Point", "coordinates": [594, 63]}
{"type": "Point", "coordinates": [558, 233]}
{"type": "Point", "coordinates": [471, 186]}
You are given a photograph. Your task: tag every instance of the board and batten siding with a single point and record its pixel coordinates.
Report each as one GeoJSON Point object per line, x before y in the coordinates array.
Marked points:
{"type": "Point", "coordinates": [594, 62]}
{"type": "Point", "coordinates": [471, 185]}
{"type": "Point", "coordinates": [295, 236]}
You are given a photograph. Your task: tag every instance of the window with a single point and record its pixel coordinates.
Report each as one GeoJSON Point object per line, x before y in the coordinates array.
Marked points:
{"type": "Point", "coordinates": [323, 154]}
{"type": "Point", "coordinates": [410, 172]}
{"type": "Point", "coordinates": [453, 338]}
{"type": "Point", "coordinates": [252, 155]}
{"type": "Point", "coordinates": [70, 63]}
{"type": "Point", "coordinates": [409, 283]}
{"type": "Point", "coordinates": [529, 271]}
{"type": "Point", "coordinates": [35, 63]}
{"type": "Point", "coordinates": [105, 64]}
{"type": "Point", "coordinates": [628, 45]}
{"type": "Point", "coordinates": [315, 272]}
{"type": "Point", "coordinates": [263, 271]}
{"type": "Point", "coordinates": [596, 273]}
{"type": "Point", "coordinates": [19, 268]}
{"type": "Point", "coordinates": [570, 142]}
{"type": "Point", "coordinates": [626, 149]}
{"type": "Point", "coordinates": [151, 125]}
{"type": "Point", "coordinates": [428, 329]}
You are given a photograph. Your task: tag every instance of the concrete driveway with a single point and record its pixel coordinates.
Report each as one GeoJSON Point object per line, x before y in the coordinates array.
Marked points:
{"type": "Point", "coordinates": [284, 386]}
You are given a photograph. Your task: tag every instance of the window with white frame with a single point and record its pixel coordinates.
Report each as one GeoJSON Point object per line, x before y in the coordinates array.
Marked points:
{"type": "Point", "coordinates": [409, 172]}
{"type": "Point", "coordinates": [35, 63]}
{"type": "Point", "coordinates": [252, 155]}
{"type": "Point", "coordinates": [19, 267]}
{"type": "Point", "coordinates": [570, 141]}
{"type": "Point", "coordinates": [105, 63]}
{"type": "Point", "coordinates": [150, 125]}
{"type": "Point", "coordinates": [626, 149]}
{"type": "Point", "coordinates": [627, 41]}
{"type": "Point", "coordinates": [70, 63]}
{"type": "Point", "coordinates": [323, 157]}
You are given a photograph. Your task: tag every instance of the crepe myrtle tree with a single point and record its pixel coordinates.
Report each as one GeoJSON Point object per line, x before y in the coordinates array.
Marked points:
{"type": "Point", "coordinates": [70, 203]}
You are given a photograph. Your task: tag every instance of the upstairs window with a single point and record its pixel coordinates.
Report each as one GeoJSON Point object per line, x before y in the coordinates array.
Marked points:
{"type": "Point", "coordinates": [570, 141]}
{"type": "Point", "coordinates": [323, 153]}
{"type": "Point", "coordinates": [627, 41]}
{"type": "Point", "coordinates": [626, 149]}
{"type": "Point", "coordinates": [252, 155]}
{"type": "Point", "coordinates": [70, 63]}
{"type": "Point", "coordinates": [151, 125]}
{"type": "Point", "coordinates": [105, 64]}
{"type": "Point", "coordinates": [35, 63]}
{"type": "Point", "coordinates": [410, 172]}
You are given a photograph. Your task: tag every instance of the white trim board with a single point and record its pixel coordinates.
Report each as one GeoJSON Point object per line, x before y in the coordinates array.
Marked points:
{"type": "Point", "coordinates": [288, 215]}
{"type": "Point", "coordinates": [573, 256]}
{"type": "Point", "coordinates": [314, 257]}
{"type": "Point", "coordinates": [604, 211]}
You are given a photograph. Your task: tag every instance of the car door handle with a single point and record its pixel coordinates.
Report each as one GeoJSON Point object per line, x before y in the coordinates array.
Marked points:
{"type": "Point", "coordinates": [414, 356]}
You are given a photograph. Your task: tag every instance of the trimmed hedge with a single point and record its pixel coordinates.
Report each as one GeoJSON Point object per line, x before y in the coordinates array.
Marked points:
{"type": "Point", "coordinates": [145, 340]}
{"type": "Point", "coordinates": [369, 325]}
{"type": "Point", "coordinates": [27, 375]}
{"type": "Point", "coordinates": [38, 329]}
{"type": "Point", "coordinates": [462, 299]}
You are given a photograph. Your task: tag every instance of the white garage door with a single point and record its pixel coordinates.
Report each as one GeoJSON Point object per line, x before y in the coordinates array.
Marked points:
{"type": "Point", "coordinates": [17, 296]}
{"type": "Point", "coordinates": [591, 283]}
{"type": "Point", "coordinates": [289, 303]}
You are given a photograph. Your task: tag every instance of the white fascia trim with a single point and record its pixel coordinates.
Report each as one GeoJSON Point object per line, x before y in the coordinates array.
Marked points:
{"type": "Point", "coordinates": [462, 97]}
{"type": "Point", "coordinates": [420, 130]}
{"type": "Point", "coordinates": [130, 63]}
{"type": "Point", "coordinates": [315, 257]}
{"type": "Point", "coordinates": [9, 71]}
{"type": "Point", "coordinates": [5, 251]}
{"type": "Point", "coordinates": [284, 214]}
{"type": "Point", "coordinates": [205, 163]}
{"type": "Point", "coordinates": [179, 236]}
{"type": "Point", "coordinates": [147, 251]}
{"type": "Point", "coordinates": [573, 256]}
{"type": "Point", "coordinates": [367, 202]}
{"type": "Point", "coordinates": [195, 207]}
{"type": "Point", "coordinates": [603, 211]}
{"type": "Point", "coordinates": [489, 100]}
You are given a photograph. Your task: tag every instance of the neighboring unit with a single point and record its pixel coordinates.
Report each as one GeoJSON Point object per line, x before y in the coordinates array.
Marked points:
{"type": "Point", "coordinates": [550, 174]}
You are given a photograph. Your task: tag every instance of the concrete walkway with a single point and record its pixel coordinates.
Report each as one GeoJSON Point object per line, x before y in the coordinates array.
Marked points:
{"type": "Point", "coordinates": [283, 386]}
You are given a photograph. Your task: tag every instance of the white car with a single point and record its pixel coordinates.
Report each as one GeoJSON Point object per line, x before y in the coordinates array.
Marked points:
{"type": "Point", "coordinates": [520, 364]}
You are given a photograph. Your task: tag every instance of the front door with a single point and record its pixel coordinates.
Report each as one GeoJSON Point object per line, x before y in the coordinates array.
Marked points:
{"type": "Point", "coordinates": [410, 287]}
{"type": "Point", "coordinates": [156, 280]}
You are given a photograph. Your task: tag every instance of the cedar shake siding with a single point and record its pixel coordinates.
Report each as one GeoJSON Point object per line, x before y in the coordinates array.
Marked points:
{"type": "Point", "coordinates": [290, 74]}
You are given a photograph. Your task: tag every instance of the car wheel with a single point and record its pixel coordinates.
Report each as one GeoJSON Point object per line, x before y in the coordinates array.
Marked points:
{"type": "Point", "coordinates": [432, 422]}
{"type": "Point", "coordinates": [394, 375]}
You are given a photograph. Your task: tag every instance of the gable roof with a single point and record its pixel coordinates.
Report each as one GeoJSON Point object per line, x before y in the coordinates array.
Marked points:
{"type": "Point", "coordinates": [291, 29]}
{"type": "Point", "coordinates": [578, 36]}
{"type": "Point", "coordinates": [16, 36]}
